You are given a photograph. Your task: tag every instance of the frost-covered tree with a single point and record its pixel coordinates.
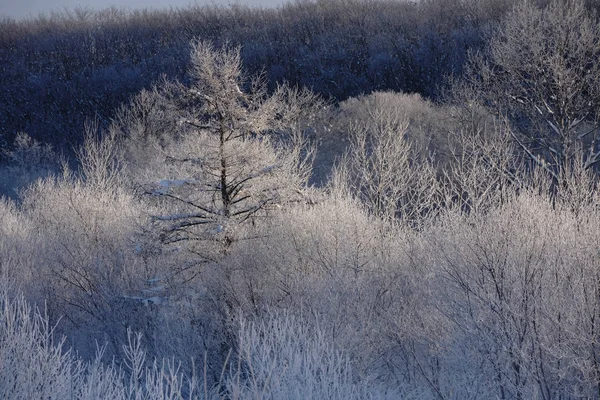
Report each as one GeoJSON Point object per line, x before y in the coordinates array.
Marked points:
{"type": "Point", "coordinates": [385, 166]}
{"type": "Point", "coordinates": [541, 70]}
{"type": "Point", "coordinates": [234, 152]}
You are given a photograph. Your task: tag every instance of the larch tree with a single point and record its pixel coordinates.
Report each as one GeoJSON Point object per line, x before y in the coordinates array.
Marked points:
{"type": "Point", "coordinates": [236, 151]}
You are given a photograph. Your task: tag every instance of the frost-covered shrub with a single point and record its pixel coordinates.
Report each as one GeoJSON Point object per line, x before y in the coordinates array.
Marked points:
{"type": "Point", "coordinates": [427, 123]}
{"type": "Point", "coordinates": [334, 260]}
{"type": "Point", "coordinates": [32, 365]}
{"type": "Point", "coordinates": [280, 356]}
{"type": "Point", "coordinates": [88, 254]}
{"type": "Point", "coordinates": [16, 259]}
{"type": "Point", "coordinates": [289, 357]}
{"type": "Point", "coordinates": [27, 161]}
{"type": "Point", "coordinates": [514, 285]}
{"type": "Point", "coordinates": [35, 364]}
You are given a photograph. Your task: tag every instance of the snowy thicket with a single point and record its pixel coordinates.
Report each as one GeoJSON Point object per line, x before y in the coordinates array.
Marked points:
{"type": "Point", "coordinates": [450, 250]}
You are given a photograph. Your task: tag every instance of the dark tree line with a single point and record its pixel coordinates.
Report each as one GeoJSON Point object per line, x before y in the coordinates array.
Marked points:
{"type": "Point", "coordinates": [59, 70]}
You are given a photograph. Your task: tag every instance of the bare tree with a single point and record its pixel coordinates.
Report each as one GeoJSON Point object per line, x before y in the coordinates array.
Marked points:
{"type": "Point", "coordinates": [481, 168]}
{"type": "Point", "coordinates": [541, 70]}
{"type": "Point", "coordinates": [392, 176]}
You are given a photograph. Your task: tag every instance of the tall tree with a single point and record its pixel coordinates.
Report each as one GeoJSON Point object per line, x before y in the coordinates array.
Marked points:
{"type": "Point", "coordinates": [236, 152]}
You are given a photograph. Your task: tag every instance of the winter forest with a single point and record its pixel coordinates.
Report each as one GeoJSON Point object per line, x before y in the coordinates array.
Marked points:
{"type": "Point", "coordinates": [332, 199]}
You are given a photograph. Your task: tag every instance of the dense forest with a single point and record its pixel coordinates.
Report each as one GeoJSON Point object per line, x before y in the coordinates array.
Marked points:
{"type": "Point", "coordinates": [59, 70]}
{"type": "Point", "coordinates": [332, 199]}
